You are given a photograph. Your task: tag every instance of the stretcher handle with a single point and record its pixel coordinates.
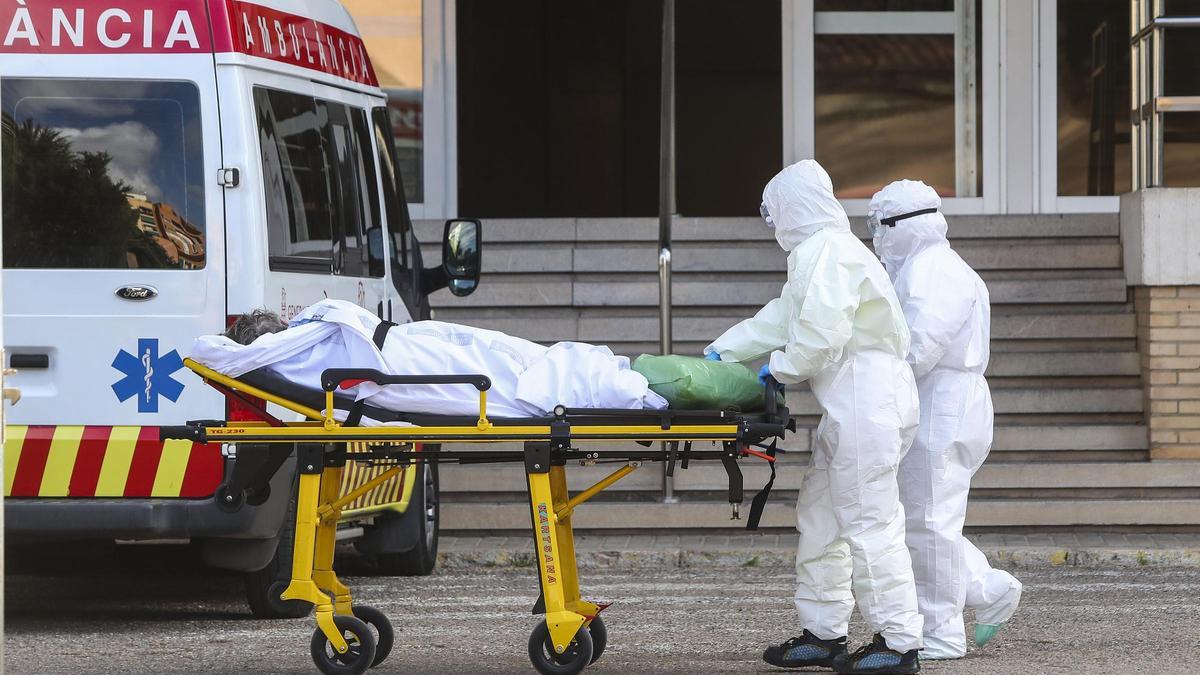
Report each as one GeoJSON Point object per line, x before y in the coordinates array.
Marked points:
{"type": "Point", "coordinates": [771, 403]}
{"type": "Point", "coordinates": [335, 378]}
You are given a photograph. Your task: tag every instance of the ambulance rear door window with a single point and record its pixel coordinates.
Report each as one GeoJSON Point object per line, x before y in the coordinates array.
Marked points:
{"type": "Point", "coordinates": [101, 174]}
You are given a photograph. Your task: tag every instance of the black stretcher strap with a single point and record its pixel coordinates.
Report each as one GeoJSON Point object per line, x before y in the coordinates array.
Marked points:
{"type": "Point", "coordinates": [760, 499]}
{"type": "Point", "coordinates": [355, 415]}
{"type": "Point", "coordinates": [381, 332]}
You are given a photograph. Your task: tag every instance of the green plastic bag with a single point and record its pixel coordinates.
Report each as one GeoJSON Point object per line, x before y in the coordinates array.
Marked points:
{"type": "Point", "coordinates": [689, 383]}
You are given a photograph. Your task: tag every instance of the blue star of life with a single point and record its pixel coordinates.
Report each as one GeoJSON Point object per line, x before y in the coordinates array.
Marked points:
{"type": "Point", "coordinates": [147, 375]}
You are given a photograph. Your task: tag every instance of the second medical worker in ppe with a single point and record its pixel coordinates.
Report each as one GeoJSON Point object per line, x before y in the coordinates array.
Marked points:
{"type": "Point", "coordinates": [838, 324]}
{"type": "Point", "coordinates": [949, 316]}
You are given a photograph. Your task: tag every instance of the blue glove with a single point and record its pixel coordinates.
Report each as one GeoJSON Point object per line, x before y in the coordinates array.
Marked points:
{"type": "Point", "coordinates": [764, 373]}
{"type": "Point", "coordinates": [712, 356]}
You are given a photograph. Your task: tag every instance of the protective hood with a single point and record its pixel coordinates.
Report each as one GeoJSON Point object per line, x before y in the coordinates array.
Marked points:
{"type": "Point", "coordinates": [801, 203]}
{"type": "Point", "coordinates": [896, 245]}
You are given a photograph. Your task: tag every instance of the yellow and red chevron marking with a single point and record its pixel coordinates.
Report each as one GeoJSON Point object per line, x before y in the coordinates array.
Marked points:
{"type": "Point", "coordinates": [358, 473]}
{"type": "Point", "coordinates": [102, 461]}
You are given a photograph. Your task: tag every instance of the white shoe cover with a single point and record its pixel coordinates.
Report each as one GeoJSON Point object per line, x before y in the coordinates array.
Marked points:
{"type": "Point", "coordinates": [941, 650]}
{"type": "Point", "coordinates": [1001, 610]}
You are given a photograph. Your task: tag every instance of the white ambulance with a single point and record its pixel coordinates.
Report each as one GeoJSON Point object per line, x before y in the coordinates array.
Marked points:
{"type": "Point", "coordinates": [167, 166]}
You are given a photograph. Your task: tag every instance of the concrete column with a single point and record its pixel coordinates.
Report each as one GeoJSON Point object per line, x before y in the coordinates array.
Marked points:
{"type": "Point", "coordinates": [1160, 235]}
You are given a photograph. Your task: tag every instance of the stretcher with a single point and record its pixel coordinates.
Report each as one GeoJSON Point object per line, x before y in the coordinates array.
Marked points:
{"type": "Point", "coordinates": [572, 634]}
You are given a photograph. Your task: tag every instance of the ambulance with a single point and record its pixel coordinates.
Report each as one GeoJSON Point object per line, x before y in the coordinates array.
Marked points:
{"type": "Point", "coordinates": [168, 166]}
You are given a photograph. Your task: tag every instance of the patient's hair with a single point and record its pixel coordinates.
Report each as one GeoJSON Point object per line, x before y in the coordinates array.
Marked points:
{"type": "Point", "coordinates": [253, 325]}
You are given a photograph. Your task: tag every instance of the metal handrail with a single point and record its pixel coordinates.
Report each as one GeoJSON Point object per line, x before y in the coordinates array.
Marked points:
{"type": "Point", "coordinates": [1149, 103]}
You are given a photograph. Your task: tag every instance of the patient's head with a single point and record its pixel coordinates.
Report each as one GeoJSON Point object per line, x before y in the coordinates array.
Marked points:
{"type": "Point", "coordinates": [252, 325]}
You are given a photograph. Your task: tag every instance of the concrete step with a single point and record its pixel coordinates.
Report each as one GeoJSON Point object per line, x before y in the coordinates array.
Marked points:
{"type": "Point", "coordinates": [1044, 400]}
{"type": "Point", "coordinates": [1049, 440]}
{"type": "Point", "coordinates": [515, 517]}
{"type": "Point", "coordinates": [686, 229]}
{"type": "Point", "coordinates": [601, 325]}
{"type": "Point", "coordinates": [628, 290]}
{"type": "Point", "coordinates": [710, 476]}
{"type": "Point", "coordinates": [766, 256]}
{"type": "Point", "coordinates": [747, 290]}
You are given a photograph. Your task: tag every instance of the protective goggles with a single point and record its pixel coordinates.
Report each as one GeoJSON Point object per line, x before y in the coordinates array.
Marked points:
{"type": "Point", "coordinates": [876, 224]}
{"type": "Point", "coordinates": [766, 215]}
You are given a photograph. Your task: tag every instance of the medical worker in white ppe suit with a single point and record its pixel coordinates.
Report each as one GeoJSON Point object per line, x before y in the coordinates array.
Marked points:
{"type": "Point", "coordinates": [949, 316]}
{"type": "Point", "coordinates": [838, 325]}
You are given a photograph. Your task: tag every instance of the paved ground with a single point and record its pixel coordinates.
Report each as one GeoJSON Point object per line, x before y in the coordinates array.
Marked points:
{"type": "Point", "coordinates": [154, 611]}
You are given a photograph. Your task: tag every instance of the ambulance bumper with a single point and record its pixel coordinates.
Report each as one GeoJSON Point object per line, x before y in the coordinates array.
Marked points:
{"type": "Point", "coordinates": [142, 519]}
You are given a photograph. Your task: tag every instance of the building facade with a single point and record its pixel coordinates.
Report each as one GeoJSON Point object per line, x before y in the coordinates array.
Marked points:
{"type": "Point", "coordinates": [543, 119]}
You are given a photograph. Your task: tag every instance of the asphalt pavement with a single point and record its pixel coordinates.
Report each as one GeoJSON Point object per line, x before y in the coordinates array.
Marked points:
{"type": "Point", "coordinates": [154, 610]}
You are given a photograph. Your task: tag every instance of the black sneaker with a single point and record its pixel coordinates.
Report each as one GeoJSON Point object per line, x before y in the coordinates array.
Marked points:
{"type": "Point", "coordinates": [805, 650]}
{"type": "Point", "coordinates": [876, 658]}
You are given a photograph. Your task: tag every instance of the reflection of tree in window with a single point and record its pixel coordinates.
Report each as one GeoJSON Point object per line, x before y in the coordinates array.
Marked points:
{"type": "Point", "coordinates": [102, 174]}
{"type": "Point", "coordinates": [62, 209]}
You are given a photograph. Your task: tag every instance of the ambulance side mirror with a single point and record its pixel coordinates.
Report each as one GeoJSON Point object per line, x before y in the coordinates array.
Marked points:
{"type": "Point", "coordinates": [462, 243]}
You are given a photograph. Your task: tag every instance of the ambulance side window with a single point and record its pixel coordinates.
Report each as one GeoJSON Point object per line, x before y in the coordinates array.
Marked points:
{"type": "Point", "coordinates": [295, 182]}
{"type": "Point", "coordinates": [356, 202]}
{"type": "Point", "coordinates": [404, 258]}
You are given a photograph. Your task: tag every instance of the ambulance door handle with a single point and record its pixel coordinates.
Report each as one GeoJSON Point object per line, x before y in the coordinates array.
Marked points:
{"type": "Point", "coordinates": [29, 361]}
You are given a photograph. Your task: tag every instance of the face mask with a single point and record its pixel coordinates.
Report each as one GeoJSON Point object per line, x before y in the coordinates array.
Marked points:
{"type": "Point", "coordinates": [766, 215]}
{"type": "Point", "coordinates": [876, 224]}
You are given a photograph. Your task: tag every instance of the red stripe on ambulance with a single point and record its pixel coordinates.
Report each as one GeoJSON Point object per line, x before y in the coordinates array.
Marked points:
{"type": "Point", "coordinates": [204, 471]}
{"type": "Point", "coordinates": [28, 479]}
{"type": "Point", "coordinates": [103, 26]}
{"type": "Point", "coordinates": [88, 461]}
{"type": "Point", "coordinates": [288, 38]}
{"type": "Point", "coordinates": [182, 27]}
{"type": "Point", "coordinates": [144, 468]}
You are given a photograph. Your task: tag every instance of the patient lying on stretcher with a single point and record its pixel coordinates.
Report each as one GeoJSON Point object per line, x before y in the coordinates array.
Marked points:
{"type": "Point", "coordinates": [527, 378]}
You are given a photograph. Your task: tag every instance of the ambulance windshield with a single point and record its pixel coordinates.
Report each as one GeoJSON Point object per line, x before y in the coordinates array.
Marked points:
{"type": "Point", "coordinates": [101, 174]}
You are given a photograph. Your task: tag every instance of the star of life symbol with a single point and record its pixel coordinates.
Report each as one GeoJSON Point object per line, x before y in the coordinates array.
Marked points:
{"type": "Point", "coordinates": [147, 375]}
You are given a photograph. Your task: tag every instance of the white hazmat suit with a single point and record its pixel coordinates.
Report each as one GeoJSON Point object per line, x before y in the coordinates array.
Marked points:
{"type": "Point", "coordinates": [837, 324]}
{"type": "Point", "coordinates": [949, 315]}
{"type": "Point", "coordinates": [527, 378]}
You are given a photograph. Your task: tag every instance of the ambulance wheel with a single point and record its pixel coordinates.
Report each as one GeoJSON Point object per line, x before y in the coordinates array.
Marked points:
{"type": "Point", "coordinates": [264, 586]}
{"type": "Point", "coordinates": [419, 524]}
{"type": "Point", "coordinates": [356, 660]}
{"type": "Point", "coordinates": [546, 661]}
{"type": "Point", "coordinates": [385, 636]}
{"type": "Point", "coordinates": [599, 637]}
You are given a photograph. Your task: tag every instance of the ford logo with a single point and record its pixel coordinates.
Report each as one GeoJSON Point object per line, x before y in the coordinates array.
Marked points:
{"type": "Point", "coordinates": [136, 293]}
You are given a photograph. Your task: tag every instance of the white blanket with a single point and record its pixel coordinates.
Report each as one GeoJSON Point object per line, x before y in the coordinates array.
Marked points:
{"type": "Point", "coordinates": [527, 378]}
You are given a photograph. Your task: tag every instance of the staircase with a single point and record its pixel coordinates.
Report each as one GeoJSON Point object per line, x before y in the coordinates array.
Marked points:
{"type": "Point", "coordinates": [1070, 446]}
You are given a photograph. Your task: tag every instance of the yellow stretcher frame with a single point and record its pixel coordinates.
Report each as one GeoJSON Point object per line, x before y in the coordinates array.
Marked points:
{"type": "Point", "coordinates": [319, 506]}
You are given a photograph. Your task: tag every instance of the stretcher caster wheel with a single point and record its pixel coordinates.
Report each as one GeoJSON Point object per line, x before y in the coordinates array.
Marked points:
{"type": "Point", "coordinates": [546, 661]}
{"type": "Point", "coordinates": [356, 660]}
{"type": "Point", "coordinates": [599, 637]}
{"type": "Point", "coordinates": [385, 636]}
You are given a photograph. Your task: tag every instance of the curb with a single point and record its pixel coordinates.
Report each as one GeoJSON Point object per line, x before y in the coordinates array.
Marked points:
{"type": "Point", "coordinates": [679, 558]}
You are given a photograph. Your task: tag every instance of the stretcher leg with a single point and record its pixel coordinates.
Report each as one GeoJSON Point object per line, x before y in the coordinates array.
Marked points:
{"type": "Point", "coordinates": [304, 547]}
{"type": "Point", "coordinates": [326, 542]}
{"type": "Point", "coordinates": [572, 600]}
{"type": "Point", "coordinates": [560, 585]}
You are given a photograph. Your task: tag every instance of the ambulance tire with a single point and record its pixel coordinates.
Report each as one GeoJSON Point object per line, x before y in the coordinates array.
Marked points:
{"type": "Point", "coordinates": [420, 525]}
{"type": "Point", "coordinates": [264, 586]}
